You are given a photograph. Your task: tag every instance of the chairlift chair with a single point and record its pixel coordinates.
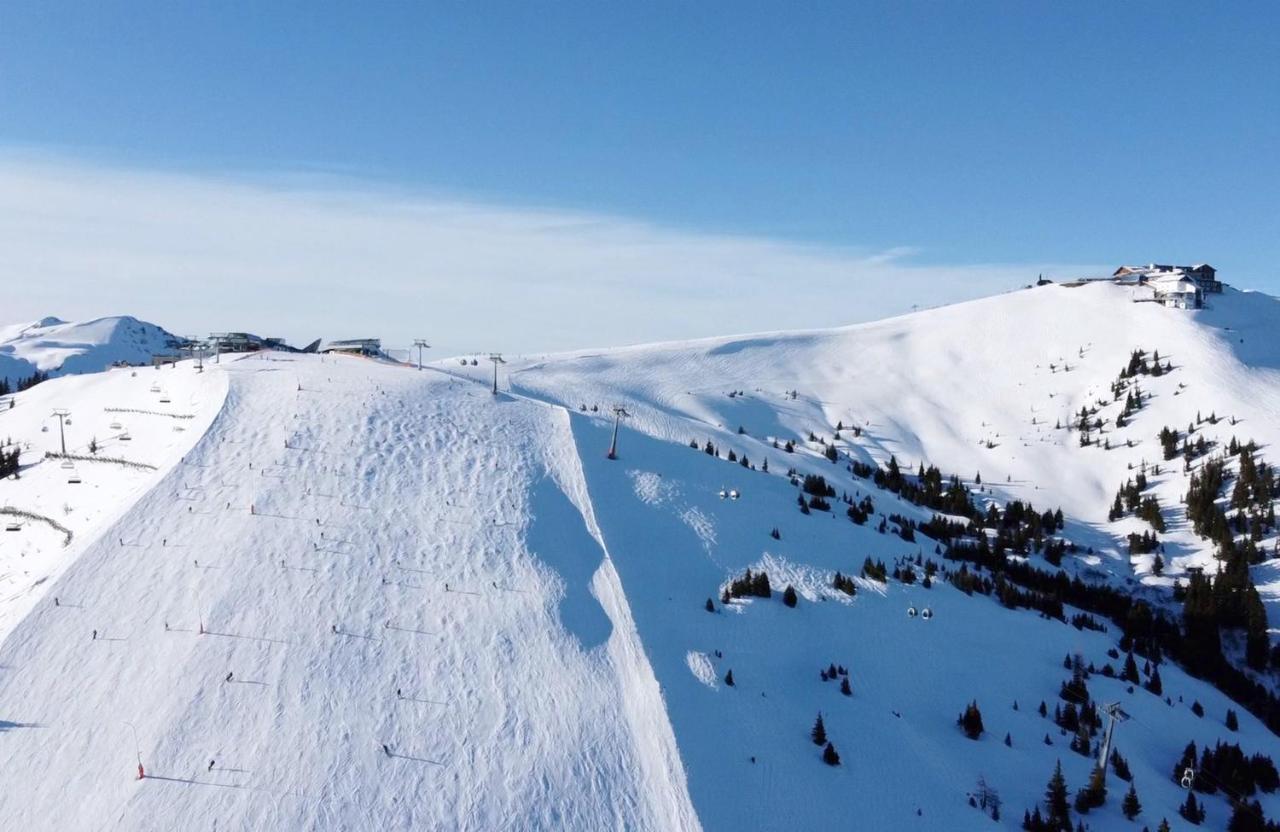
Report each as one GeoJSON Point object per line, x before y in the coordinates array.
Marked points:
{"type": "Point", "coordinates": [115, 425]}
{"type": "Point", "coordinates": [911, 612]}
{"type": "Point", "coordinates": [66, 463]}
{"type": "Point", "coordinates": [926, 613]}
{"type": "Point", "coordinates": [13, 526]}
{"type": "Point", "coordinates": [124, 437]}
{"type": "Point", "coordinates": [74, 479]}
{"type": "Point", "coordinates": [164, 399]}
{"type": "Point", "coordinates": [155, 388]}
{"type": "Point", "coordinates": [733, 494]}
{"type": "Point", "coordinates": [723, 493]}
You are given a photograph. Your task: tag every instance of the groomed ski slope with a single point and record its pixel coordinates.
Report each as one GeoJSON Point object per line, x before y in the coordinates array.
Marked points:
{"type": "Point", "coordinates": [344, 495]}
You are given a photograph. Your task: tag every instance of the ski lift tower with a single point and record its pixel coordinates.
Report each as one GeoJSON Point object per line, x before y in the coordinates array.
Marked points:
{"type": "Point", "coordinates": [496, 358]}
{"type": "Point", "coordinates": [62, 416]}
{"type": "Point", "coordinates": [1114, 715]}
{"type": "Point", "coordinates": [421, 345]}
{"type": "Point", "coordinates": [197, 352]}
{"type": "Point", "coordinates": [618, 412]}
{"type": "Point", "coordinates": [217, 338]}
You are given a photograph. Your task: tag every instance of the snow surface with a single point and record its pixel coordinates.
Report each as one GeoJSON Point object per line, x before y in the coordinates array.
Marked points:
{"type": "Point", "coordinates": [343, 529]}
{"type": "Point", "coordinates": [58, 347]}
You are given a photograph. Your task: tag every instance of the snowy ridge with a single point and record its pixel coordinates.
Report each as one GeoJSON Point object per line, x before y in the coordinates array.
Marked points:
{"type": "Point", "coordinates": [57, 347]}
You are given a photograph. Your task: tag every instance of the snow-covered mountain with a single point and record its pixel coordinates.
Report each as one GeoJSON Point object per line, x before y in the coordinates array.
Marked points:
{"type": "Point", "coordinates": [58, 347]}
{"type": "Point", "coordinates": [352, 595]}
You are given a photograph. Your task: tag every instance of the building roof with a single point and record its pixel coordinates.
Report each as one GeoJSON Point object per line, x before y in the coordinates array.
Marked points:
{"type": "Point", "coordinates": [1175, 284]}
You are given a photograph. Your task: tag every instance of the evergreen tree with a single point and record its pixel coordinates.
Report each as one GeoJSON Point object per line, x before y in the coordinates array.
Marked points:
{"type": "Point", "coordinates": [1094, 794]}
{"type": "Point", "coordinates": [1191, 810]}
{"type": "Point", "coordinates": [819, 732]}
{"type": "Point", "coordinates": [1120, 765]}
{"type": "Point", "coordinates": [1131, 806]}
{"type": "Point", "coordinates": [845, 688]}
{"type": "Point", "coordinates": [728, 678]}
{"type": "Point", "coordinates": [829, 755]}
{"type": "Point", "coordinates": [971, 721]}
{"type": "Point", "coordinates": [1233, 722]}
{"type": "Point", "coordinates": [1154, 684]}
{"type": "Point", "coordinates": [789, 596]}
{"type": "Point", "coordinates": [1055, 801]}
{"type": "Point", "coordinates": [1130, 672]}
{"type": "Point", "coordinates": [1248, 817]}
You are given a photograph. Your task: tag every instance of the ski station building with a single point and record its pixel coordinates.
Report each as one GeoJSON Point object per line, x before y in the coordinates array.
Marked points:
{"type": "Point", "coordinates": [355, 346]}
{"type": "Point", "coordinates": [1178, 287]}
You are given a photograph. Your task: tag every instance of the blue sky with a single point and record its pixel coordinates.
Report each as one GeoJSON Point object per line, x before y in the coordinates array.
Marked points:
{"type": "Point", "coordinates": [944, 137]}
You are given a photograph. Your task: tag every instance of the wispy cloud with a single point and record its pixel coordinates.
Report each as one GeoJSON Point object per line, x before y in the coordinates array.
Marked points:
{"type": "Point", "coordinates": [323, 257]}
